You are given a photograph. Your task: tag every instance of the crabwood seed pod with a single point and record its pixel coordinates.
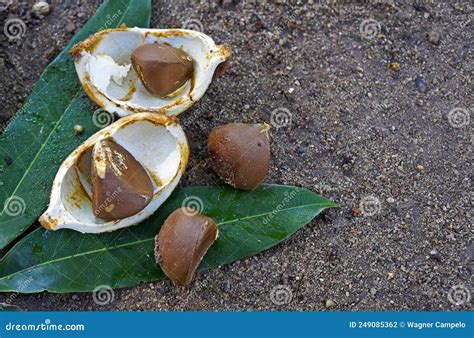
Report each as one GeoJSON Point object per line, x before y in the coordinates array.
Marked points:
{"type": "Point", "coordinates": [104, 66]}
{"type": "Point", "coordinates": [157, 142]}
{"type": "Point", "coordinates": [240, 153]}
{"type": "Point", "coordinates": [182, 242]}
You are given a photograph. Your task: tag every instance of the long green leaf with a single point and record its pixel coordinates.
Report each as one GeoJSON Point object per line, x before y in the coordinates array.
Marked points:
{"type": "Point", "coordinates": [68, 261]}
{"type": "Point", "coordinates": [41, 135]}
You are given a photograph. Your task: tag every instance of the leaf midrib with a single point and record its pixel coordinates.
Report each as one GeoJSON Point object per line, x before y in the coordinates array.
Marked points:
{"type": "Point", "coordinates": [40, 150]}
{"type": "Point", "coordinates": [150, 239]}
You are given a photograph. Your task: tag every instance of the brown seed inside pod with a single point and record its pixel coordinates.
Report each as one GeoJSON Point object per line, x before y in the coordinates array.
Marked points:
{"type": "Point", "coordinates": [240, 153]}
{"type": "Point", "coordinates": [120, 185]}
{"type": "Point", "coordinates": [163, 69]}
{"type": "Point", "coordinates": [183, 241]}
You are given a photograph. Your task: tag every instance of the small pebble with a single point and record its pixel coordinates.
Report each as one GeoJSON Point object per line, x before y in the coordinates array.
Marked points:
{"type": "Point", "coordinates": [329, 304]}
{"type": "Point", "coordinates": [395, 66]}
{"type": "Point", "coordinates": [390, 200]}
{"type": "Point", "coordinates": [420, 84]}
{"type": "Point", "coordinates": [41, 8]}
{"type": "Point", "coordinates": [291, 90]}
{"type": "Point", "coordinates": [434, 37]}
{"type": "Point", "coordinates": [419, 167]}
{"type": "Point", "coordinates": [434, 254]}
{"type": "Point", "coordinates": [70, 27]}
{"type": "Point", "coordinates": [78, 129]}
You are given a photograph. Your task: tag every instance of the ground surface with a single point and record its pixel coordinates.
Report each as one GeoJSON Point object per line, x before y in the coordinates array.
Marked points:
{"type": "Point", "coordinates": [360, 133]}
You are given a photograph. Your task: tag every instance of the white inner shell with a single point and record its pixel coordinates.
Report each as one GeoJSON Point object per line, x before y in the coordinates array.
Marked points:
{"type": "Point", "coordinates": [161, 163]}
{"type": "Point", "coordinates": [110, 71]}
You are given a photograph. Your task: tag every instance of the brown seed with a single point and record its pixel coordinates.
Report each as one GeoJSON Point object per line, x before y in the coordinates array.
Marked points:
{"type": "Point", "coordinates": [183, 241]}
{"type": "Point", "coordinates": [240, 153]}
{"type": "Point", "coordinates": [120, 185]}
{"type": "Point", "coordinates": [162, 69]}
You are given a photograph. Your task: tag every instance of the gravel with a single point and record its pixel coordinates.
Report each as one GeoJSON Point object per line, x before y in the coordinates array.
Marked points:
{"type": "Point", "coordinates": [346, 124]}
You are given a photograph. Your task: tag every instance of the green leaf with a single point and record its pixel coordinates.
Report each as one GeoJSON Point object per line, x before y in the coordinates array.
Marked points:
{"type": "Point", "coordinates": [68, 261]}
{"type": "Point", "coordinates": [42, 134]}
{"type": "Point", "coordinates": [8, 307]}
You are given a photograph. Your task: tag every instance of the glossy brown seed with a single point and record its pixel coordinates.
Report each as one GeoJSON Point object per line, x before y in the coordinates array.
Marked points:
{"type": "Point", "coordinates": [120, 185]}
{"type": "Point", "coordinates": [240, 153]}
{"type": "Point", "coordinates": [183, 241]}
{"type": "Point", "coordinates": [162, 69]}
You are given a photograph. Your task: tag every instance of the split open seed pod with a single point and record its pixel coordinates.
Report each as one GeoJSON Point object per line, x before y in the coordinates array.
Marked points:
{"type": "Point", "coordinates": [153, 142]}
{"type": "Point", "coordinates": [104, 66]}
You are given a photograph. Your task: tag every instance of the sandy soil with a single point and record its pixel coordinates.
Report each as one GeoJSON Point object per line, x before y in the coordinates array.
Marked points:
{"type": "Point", "coordinates": [378, 141]}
